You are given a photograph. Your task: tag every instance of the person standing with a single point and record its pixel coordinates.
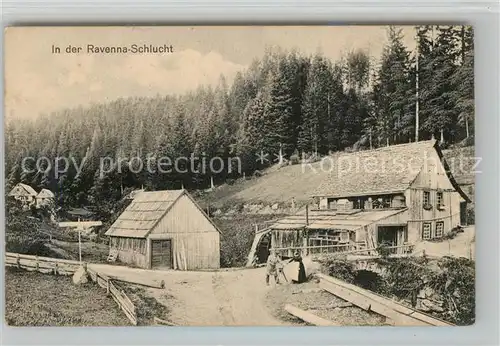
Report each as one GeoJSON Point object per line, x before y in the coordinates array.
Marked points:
{"type": "Point", "coordinates": [302, 270]}
{"type": "Point", "coordinates": [271, 267]}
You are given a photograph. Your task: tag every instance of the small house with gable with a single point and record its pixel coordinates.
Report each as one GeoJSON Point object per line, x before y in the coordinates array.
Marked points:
{"type": "Point", "coordinates": [24, 194]}
{"type": "Point", "coordinates": [44, 198]}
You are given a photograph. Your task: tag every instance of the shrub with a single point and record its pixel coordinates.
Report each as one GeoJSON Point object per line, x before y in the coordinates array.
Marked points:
{"type": "Point", "coordinates": [339, 268]}
{"type": "Point", "coordinates": [383, 250]}
{"type": "Point", "coordinates": [28, 246]}
{"type": "Point", "coordinates": [230, 181]}
{"type": "Point", "coordinates": [456, 284]}
{"type": "Point", "coordinates": [257, 174]}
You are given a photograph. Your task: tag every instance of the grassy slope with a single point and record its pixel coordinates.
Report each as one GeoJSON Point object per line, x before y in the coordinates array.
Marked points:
{"type": "Point", "coordinates": [300, 181]}
{"type": "Point", "coordinates": [34, 299]}
{"type": "Point", "coordinates": [275, 186]}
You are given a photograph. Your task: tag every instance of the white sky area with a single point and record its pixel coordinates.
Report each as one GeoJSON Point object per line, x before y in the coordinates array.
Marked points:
{"type": "Point", "coordinates": [38, 81]}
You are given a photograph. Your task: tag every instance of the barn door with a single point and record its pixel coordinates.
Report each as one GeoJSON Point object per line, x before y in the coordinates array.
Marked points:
{"type": "Point", "coordinates": [161, 253]}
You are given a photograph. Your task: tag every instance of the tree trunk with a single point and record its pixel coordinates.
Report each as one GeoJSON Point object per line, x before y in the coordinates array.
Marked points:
{"type": "Point", "coordinates": [467, 127]}
{"type": "Point", "coordinates": [371, 146]}
{"type": "Point", "coordinates": [442, 137]}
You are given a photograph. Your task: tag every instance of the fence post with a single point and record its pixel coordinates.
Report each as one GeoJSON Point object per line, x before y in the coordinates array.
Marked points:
{"type": "Point", "coordinates": [37, 265]}
{"type": "Point", "coordinates": [18, 261]}
{"type": "Point", "coordinates": [55, 269]}
{"type": "Point", "coordinates": [107, 286]}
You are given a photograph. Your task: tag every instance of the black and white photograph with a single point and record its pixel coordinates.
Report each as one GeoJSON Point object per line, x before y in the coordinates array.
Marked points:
{"type": "Point", "coordinates": [240, 176]}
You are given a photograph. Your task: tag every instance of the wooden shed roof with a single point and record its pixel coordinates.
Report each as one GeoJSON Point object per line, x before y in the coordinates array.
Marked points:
{"type": "Point", "coordinates": [328, 219]}
{"type": "Point", "coordinates": [145, 211]}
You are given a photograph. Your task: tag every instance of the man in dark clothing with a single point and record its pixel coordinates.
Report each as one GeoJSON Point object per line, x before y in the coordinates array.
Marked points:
{"type": "Point", "coordinates": [302, 270]}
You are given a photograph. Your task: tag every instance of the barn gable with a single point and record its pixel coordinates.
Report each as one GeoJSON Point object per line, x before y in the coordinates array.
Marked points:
{"type": "Point", "coordinates": [148, 209]}
{"type": "Point", "coordinates": [184, 216]}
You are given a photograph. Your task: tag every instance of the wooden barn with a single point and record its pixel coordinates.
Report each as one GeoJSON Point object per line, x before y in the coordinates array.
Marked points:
{"type": "Point", "coordinates": [165, 230]}
{"type": "Point", "coordinates": [397, 195]}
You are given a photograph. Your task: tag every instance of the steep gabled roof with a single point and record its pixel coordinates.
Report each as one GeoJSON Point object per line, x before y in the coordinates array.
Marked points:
{"type": "Point", "coordinates": [28, 189]}
{"type": "Point", "coordinates": [145, 211]}
{"type": "Point", "coordinates": [45, 193]}
{"type": "Point", "coordinates": [380, 171]}
{"type": "Point", "coordinates": [370, 172]}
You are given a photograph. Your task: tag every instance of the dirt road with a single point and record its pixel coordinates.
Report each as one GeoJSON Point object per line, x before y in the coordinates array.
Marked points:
{"type": "Point", "coordinates": [229, 298]}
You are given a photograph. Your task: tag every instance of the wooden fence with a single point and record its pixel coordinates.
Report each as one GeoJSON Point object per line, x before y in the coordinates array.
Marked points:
{"type": "Point", "coordinates": [117, 294]}
{"type": "Point", "coordinates": [68, 267]}
{"type": "Point", "coordinates": [347, 249]}
{"type": "Point", "coordinates": [41, 264]}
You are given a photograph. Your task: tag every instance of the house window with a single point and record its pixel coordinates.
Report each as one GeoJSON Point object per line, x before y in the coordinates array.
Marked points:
{"type": "Point", "coordinates": [439, 229]}
{"type": "Point", "coordinates": [426, 231]}
{"type": "Point", "coordinates": [439, 200]}
{"type": "Point", "coordinates": [427, 198]}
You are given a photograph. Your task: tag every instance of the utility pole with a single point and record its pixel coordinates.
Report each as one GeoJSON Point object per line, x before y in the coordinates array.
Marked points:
{"type": "Point", "coordinates": [416, 93]}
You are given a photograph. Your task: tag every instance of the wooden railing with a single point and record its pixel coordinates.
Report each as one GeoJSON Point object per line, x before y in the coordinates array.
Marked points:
{"type": "Point", "coordinates": [41, 264]}
{"type": "Point", "coordinates": [68, 267]}
{"type": "Point", "coordinates": [118, 295]}
{"type": "Point", "coordinates": [347, 249]}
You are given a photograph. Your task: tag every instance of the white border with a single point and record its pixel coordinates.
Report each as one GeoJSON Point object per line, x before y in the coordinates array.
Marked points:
{"type": "Point", "coordinates": [483, 15]}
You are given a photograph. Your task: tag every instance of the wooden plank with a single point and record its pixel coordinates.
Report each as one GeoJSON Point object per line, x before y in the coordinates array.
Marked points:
{"type": "Point", "coordinates": [308, 317]}
{"type": "Point", "coordinates": [32, 264]}
{"type": "Point", "coordinates": [129, 315]}
{"type": "Point", "coordinates": [141, 281]}
{"type": "Point", "coordinates": [161, 322]}
{"type": "Point", "coordinates": [383, 304]}
{"type": "Point", "coordinates": [41, 259]}
{"type": "Point", "coordinates": [370, 305]}
{"type": "Point", "coordinates": [122, 297]}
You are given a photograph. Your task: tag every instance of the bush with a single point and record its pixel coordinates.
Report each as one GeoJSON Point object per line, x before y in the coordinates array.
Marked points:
{"type": "Point", "coordinates": [383, 250]}
{"type": "Point", "coordinates": [28, 246]}
{"type": "Point", "coordinates": [230, 181]}
{"type": "Point", "coordinates": [339, 268]}
{"type": "Point", "coordinates": [456, 283]}
{"type": "Point", "coordinates": [257, 174]}
{"type": "Point", "coordinates": [25, 233]}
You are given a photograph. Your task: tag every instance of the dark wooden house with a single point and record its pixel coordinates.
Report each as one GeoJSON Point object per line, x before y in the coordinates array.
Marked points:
{"type": "Point", "coordinates": [167, 230]}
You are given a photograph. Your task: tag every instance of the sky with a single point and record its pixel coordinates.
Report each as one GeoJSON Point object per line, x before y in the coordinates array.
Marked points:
{"type": "Point", "coordinates": [39, 81]}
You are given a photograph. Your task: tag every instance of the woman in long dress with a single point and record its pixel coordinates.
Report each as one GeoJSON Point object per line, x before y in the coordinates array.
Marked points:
{"type": "Point", "coordinates": [302, 270]}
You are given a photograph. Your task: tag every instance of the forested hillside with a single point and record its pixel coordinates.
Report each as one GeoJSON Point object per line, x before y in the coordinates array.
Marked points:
{"type": "Point", "coordinates": [302, 104]}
